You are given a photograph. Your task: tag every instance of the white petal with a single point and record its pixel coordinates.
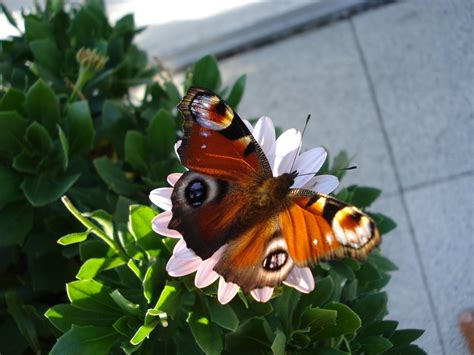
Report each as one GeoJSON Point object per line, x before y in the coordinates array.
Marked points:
{"type": "Point", "coordinates": [323, 183]}
{"type": "Point", "coordinates": [226, 291]}
{"type": "Point", "coordinates": [179, 267]}
{"type": "Point", "coordinates": [172, 178]}
{"type": "Point", "coordinates": [309, 162]}
{"type": "Point", "coordinates": [284, 151]}
{"type": "Point", "coordinates": [182, 251]}
{"type": "Point", "coordinates": [162, 197]}
{"type": "Point", "coordinates": [160, 225]}
{"type": "Point", "coordinates": [300, 278]}
{"type": "Point", "coordinates": [176, 146]}
{"type": "Point", "coordinates": [262, 294]}
{"type": "Point", "coordinates": [205, 274]}
{"type": "Point", "coordinates": [248, 124]}
{"type": "Point", "coordinates": [264, 134]}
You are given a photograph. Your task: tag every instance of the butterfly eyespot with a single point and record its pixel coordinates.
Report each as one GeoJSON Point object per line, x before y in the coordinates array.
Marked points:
{"type": "Point", "coordinates": [275, 260]}
{"type": "Point", "coordinates": [196, 192]}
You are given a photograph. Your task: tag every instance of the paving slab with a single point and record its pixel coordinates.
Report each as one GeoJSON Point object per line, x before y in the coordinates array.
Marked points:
{"type": "Point", "coordinates": [443, 219]}
{"type": "Point", "coordinates": [318, 72]}
{"type": "Point", "coordinates": [421, 61]}
{"type": "Point", "coordinates": [408, 300]}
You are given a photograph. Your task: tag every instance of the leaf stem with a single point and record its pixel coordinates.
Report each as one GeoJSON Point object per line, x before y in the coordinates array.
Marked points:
{"type": "Point", "coordinates": [93, 228]}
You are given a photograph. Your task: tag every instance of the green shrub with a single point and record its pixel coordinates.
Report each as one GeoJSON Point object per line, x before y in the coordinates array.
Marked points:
{"type": "Point", "coordinates": [70, 126]}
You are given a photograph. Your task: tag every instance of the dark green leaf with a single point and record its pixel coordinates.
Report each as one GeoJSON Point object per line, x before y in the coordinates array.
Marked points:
{"type": "Point", "coordinates": [382, 327]}
{"type": "Point", "coordinates": [36, 29]}
{"type": "Point", "coordinates": [136, 150]}
{"type": "Point", "coordinates": [63, 316]}
{"type": "Point", "coordinates": [114, 177]}
{"type": "Point", "coordinates": [86, 340]}
{"type": "Point", "coordinates": [381, 262]}
{"type": "Point", "coordinates": [154, 280]}
{"type": "Point", "coordinates": [43, 105]}
{"type": "Point", "coordinates": [236, 92]}
{"type": "Point", "coordinates": [80, 128]}
{"type": "Point", "coordinates": [103, 219]}
{"type": "Point", "coordinates": [11, 230]}
{"type": "Point", "coordinates": [405, 336]}
{"type": "Point", "coordinates": [331, 351]}
{"type": "Point", "coordinates": [341, 161]}
{"type": "Point", "coordinates": [91, 295]}
{"type": "Point", "coordinates": [9, 186]}
{"type": "Point", "coordinates": [43, 189]}
{"type": "Point", "coordinates": [12, 129]}
{"type": "Point", "coordinates": [94, 266]}
{"type": "Point", "coordinates": [374, 344]}
{"type": "Point", "coordinates": [321, 293]}
{"type": "Point", "coordinates": [39, 139]}
{"type": "Point", "coordinates": [347, 322]}
{"type": "Point", "coordinates": [223, 315]}
{"type": "Point", "coordinates": [285, 306]}
{"type": "Point", "coordinates": [253, 336]}
{"type": "Point", "coordinates": [161, 135]}
{"type": "Point", "coordinates": [23, 318]}
{"type": "Point", "coordinates": [65, 148]}
{"type": "Point", "coordinates": [384, 223]}
{"type": "Point", "coordinates": [371, 307]}
{"type": "Point", "coordinates": [318, 318]}
{"type": "Point", "coordinates": [207, 335]}
{"type": "Point", "coordinates": [405, 350]}
{"type": "Point", "coordinates": [206, 73]}
{"type": "Point", "coordinates": [279, 343]}
{"type": "Point", "coordinates": [47, 54]}
{"type": "Point", "coordinates": [13, 100]}
{"type": "Point", "coordinates": [126, 305]}
{"type": "Point", "coordinates": [364, 196]}
{"type": "Point", "coordinates": [73, 238]}
{"type": "Point", "coordinates": [8, 15]}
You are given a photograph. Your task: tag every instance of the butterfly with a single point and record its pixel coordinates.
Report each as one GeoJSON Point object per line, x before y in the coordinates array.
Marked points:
{"type": "Point", "coordinates": [230, 197]}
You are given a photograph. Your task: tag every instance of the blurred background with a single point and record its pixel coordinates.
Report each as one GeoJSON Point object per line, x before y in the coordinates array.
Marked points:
{"type": "Point", "coordinates": [390, 82]}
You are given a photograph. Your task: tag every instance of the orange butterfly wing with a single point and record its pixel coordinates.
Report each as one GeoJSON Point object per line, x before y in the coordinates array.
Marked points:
{"type": "Point", "coordinates": [318, 228]}
{"type": "Point", "coordinates": [216, 141]}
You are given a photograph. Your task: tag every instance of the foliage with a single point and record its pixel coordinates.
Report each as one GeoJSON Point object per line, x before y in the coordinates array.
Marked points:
{"type": "Point", "coordinates": [69, 125]}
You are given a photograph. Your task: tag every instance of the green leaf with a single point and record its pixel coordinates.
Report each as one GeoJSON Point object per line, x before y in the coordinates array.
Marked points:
{"type": "Point", "coordinates": [73, 238]}
{"type": "Point", "coordinates": [154, 280]}
{"type": "Point", "coordinates": [103, 219]}
{"type": "Point", "coordinates": [23, 319]}
{"type": "Point", "coordinates": [42, 105]}
{"type": "Point", "coordinates": [44, 189]}
{"type": "Point", "coordinates": [405, 350]}
{"type": "Point", "coordinates": [347, 322]}
{"type": "Point", "coordinates": [386, 328]}
{"type": "Point", "coordinates": [126, 305]}
{"type": "Point", "coordinates": [279, 343]}
{"type": "Point", "coordinates": [36, 29]}
{"type": "Point", "coordinates": [86, 340]}
{"type": "Point", "coordinates": [340, 162]}
{"type": "Point", "coordinates": [136, 150]}
{"type": "Point", "coordinates": [47, 55]}
{"type": "Point", "coordinates": [321, 294]}
{"type": "Point", "coordinates": [152, 319]}
{"type": "Point", "coordinates": [223, 315]}
{"type": "Point", "coordinates": [375, 344]}
{"type": "Point", "coordinates": [114, 177]}
{"type": "Point", "coordinates": [9, 186]}
{"type": "Point", "coordinates": [331, 351]}
{"type": "Point", "coordinates": [405, 336]}
{"type": "Point", "coordinates": [80, 128]}
{"type": "Point", "coordinates": [140, 221]}
{"type": "Point", "coordinates": [170, 298]}
{"type": "Point", "coordinates": [253, 336]}
{"type": "Point", "coordinates": [381, 262]}
{"type": "Point", "coordinates": [236, 92]}
{"type": "Point", "coordinates": [39, 139]}
{"type": "Point", "coordinates": [285, 306]}
{"type": "Point", "coordinates": [207, 335]}
{"type": "Point", "coordinates": [11, 231]}
{"type": "Point", "coordinates": [371, 307]}
{"type": "Point", "coordinates": [162, 135]}
{"type": "Point", "coordinates": [318, 318]}
{"type": "Point", "coordinates": [384, 223]}
{"type": "Point", "coordinates": [12, 129]}
{"type": "Point", "coordinates": [13, 100]}
{"type": "Point", "coordinates": [91, 295]}
{"type": "Point", "coordinates": [364, 196]}
{"type": "Point", "coordinates": [94, 266]}
{"type": "Point", "coordinates": [63, 316]}
{"type": "Point", "coordinates": [206, 73]}
{"type": "Point", "coordinates": [65, 147]}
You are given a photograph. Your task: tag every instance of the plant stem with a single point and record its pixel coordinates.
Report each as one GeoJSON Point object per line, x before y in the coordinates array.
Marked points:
{"type": "Point", "coordinates": [93, 228]}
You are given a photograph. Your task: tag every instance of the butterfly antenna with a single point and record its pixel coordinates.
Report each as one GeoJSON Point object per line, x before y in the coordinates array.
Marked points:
{"type": "Point", "coordinates": [332, 171]}
{"type": "Point", "coordinates": [301, 142]}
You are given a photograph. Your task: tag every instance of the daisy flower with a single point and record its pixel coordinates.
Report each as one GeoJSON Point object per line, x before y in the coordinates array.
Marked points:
{"type": "Point", "coordinates": [281, 155]}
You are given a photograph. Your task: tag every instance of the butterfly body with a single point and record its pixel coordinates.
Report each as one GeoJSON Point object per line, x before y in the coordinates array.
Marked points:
{"type": "Point", "coordinates": [229, 201]}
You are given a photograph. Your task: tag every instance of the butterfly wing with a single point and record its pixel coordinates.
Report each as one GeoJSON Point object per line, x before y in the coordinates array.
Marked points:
{"type": "Point", "coordinates": [216, 141]}
{"type": "Point", "coordinates": [318, 228]}
{"type": "Point", "coordinates": [225, 163]}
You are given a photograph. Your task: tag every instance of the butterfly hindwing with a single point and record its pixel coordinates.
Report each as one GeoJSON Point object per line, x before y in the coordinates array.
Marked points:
{"type": "Point", "coordinates": [318, 228]}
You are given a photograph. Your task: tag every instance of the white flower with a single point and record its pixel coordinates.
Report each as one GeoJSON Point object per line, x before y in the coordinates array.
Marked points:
{"type": "Point", "coordinates": [281, 153]}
